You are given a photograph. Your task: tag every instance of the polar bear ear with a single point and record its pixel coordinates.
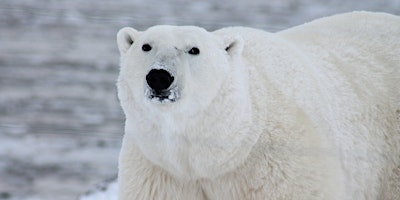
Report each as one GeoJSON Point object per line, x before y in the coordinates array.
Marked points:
{"type": "Point", "coordinates": [233, 45]}
{"type": "Point", "coordinates": [125, 38]}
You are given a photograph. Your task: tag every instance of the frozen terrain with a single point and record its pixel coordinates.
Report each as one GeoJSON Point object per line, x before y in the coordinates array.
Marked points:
{"type": "Point", "coordinates": [60, 122]}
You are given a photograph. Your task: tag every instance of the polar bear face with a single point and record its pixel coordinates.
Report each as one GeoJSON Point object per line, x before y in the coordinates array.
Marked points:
{"type": "Point", "coordinates": [167, 65]}
{"type": "Point", "coordinates": [170, 88]}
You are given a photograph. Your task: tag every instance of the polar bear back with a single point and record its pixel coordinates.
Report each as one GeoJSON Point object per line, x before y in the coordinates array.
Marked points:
{"type": "Point", "coordinates": [363, 46]}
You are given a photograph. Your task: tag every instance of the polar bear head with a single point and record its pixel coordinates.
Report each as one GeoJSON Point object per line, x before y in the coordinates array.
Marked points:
{"type": "Point", "coordinates": [168, 65]}
{"type": "Point", "coordinates": [177, 85]}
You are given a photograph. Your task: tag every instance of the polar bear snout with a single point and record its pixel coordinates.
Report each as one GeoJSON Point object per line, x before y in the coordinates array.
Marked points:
{"type": "Point", "coordinates": [160, 85]}
{"type": "Point", "coordinates": [159, 79]}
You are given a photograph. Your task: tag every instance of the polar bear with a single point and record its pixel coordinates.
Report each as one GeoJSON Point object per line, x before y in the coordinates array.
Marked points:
{"type": "Point", "coordinates": [311, 112]}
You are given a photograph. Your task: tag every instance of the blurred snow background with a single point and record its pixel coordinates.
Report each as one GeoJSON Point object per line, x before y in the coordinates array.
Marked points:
{"type": "Point", "coordinates": [60, 121]}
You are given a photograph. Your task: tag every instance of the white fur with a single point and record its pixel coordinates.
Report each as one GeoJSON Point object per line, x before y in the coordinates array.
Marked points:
{"type": "Point", "coordinates": [312, 112]}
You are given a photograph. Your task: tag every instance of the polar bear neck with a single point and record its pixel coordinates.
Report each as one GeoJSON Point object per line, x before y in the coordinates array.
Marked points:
{"type": "Point", "coordinates": [205, 145]}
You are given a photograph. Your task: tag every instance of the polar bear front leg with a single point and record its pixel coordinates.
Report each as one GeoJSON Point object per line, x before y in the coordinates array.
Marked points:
{"type": "Point", "coordinates": [138, 178]}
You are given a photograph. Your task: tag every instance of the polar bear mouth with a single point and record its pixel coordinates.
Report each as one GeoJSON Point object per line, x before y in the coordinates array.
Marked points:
{"type": "Point", "coordinates": [163, 96]}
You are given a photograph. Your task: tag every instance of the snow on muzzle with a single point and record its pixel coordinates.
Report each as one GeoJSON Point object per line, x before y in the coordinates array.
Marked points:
{"type": "Point", "coordinates": [160, 85]}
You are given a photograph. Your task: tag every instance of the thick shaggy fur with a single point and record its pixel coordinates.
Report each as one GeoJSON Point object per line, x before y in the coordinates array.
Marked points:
{"type": "Point", "coordinates": [312, 112]}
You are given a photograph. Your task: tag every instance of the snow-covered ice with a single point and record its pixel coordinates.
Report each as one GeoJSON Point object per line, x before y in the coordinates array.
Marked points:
{"type": "Point", "coordinates": [60, 122]}
{"type": "Point", "coordinates": [104, 191]}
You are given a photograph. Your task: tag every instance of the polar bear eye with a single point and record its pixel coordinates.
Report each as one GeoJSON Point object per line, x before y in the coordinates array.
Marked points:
{"type": "Point", "coordinates": [146, 47]}
{"type": "Point", "coordinates": [194, 51]}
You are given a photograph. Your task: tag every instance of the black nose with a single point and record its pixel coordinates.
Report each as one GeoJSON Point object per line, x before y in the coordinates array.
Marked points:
{"type": "Point", "coordinates": [159, 79]}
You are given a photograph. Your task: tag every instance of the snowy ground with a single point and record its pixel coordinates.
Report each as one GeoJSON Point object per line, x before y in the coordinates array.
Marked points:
{"type": "Point", "coordinates": [60, 122]}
